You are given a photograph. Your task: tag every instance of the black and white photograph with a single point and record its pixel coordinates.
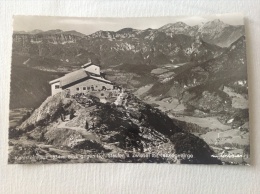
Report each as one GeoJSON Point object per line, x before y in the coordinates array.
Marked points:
{"type": "Point", "coordinates": [129, 90]}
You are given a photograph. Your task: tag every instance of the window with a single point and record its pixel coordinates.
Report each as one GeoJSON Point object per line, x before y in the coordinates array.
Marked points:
{"type": "Point", "coordinates": [102, 94]}
{"type": "Point", "coordinates": [104, 88]}
{"type": "Point", "coordinates": [88, 88]}
{"type": "Point", "coordinates": [77, 89]}
{"type": "Point", "coordinates": [57, 86]}
{"type": "Point", "coordinates": [84, 88]}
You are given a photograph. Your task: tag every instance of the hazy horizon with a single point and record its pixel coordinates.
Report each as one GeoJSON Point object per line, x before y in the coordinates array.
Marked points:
{"type": "Point", "coordinates": [89, 25]}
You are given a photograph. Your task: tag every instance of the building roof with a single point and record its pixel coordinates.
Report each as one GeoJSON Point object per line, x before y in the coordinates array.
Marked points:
{"type": "Point", "coordinates": [73, 76]}
{"type": "Point", "coordinates": [88, 64]}
{"type": "Point", "coordinates": [76, 76]}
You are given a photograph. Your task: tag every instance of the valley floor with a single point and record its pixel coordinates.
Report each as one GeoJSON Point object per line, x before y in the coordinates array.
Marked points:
{"type": "Point", "coordinates": [230, 144]}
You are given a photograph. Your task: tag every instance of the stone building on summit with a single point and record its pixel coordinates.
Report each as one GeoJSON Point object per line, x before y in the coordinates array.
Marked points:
{"type": "Point", "coordinates": [88, 79]}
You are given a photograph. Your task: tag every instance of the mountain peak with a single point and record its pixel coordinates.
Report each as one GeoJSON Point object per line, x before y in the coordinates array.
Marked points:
{"type": "Point", "coordinates": [56, 31]}
{"type": "Point", "coordinates": [36, 31]}
{"type": "Point", "coordinates": [180, 24]}
{"type": "Point", "coordinates": [174, 25]}
{"type": "Point", "coordinates": [75, 33]}
{"type": "Point", "coordinates": [125, 30]}
{"type": "Point", "coordinates": [217, 23]}
{"type": "Point", "coordinates": [128, 132]}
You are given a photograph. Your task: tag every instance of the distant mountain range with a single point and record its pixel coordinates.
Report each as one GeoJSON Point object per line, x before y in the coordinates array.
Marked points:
{"type": "Point", "coordinates": [215, 31]}
{"type": "Point", "coordinates": [57, 31]}
{"type": "Point", "coordinates": [129, 55]}
{"type": "Point", "coordinates": [172, 43]}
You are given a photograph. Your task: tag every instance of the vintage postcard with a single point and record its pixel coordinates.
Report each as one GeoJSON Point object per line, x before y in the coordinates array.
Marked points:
{"type": "Point", "coordinates": [129, 90]}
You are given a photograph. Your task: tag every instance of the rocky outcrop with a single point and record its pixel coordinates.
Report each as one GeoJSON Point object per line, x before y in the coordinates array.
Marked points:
{"type": "Point", "coordinates": [49, 111]}
{"type": "Point", "coordinates": [132, 128]}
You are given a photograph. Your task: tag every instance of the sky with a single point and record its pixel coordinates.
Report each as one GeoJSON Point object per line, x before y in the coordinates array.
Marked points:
{"type": "Point", "coordinates": [91, 25]}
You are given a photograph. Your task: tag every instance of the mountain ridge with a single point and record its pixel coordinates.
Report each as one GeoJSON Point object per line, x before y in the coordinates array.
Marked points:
{"type": "Point", "coordinates": [203, 30]}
